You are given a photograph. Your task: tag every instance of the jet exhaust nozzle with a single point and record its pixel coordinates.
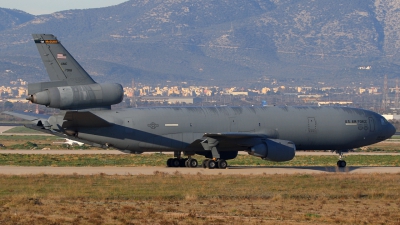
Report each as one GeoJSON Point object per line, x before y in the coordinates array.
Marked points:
{"type": "Point", "coordinates": [41, 98]}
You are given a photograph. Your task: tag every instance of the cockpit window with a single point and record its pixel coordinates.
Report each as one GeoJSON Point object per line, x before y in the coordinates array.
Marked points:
{"type": "Point", "coordinates": [384, 121]}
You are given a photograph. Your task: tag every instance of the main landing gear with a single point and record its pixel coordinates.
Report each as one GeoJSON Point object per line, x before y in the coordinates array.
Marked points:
{"type": "Point", "coordinates": [210, 144]}
{"type": "Point", "coordinates": [212, 163]}
{"type": "Point", "coordinates": [181, 162]}
{"type": "Point", "coordinates": [192, 163]}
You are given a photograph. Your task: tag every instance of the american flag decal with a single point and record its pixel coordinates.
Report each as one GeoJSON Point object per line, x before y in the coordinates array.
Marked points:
{"type": "Point", "coordinates": [61, 56]}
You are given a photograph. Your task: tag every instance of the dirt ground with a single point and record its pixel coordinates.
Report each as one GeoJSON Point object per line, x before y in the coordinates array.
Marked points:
{"type": "Point", "coordinates": [201, 199]}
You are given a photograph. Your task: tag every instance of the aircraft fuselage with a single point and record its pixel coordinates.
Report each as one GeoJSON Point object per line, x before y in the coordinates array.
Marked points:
{"type": "Point", "coordinates": [177, 128]}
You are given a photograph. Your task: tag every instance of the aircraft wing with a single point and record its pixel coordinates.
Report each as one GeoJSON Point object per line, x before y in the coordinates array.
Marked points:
{"type": "Point", "coordinates": [26, 115]}
{"type": "Point", "coordinates": [232, 140]}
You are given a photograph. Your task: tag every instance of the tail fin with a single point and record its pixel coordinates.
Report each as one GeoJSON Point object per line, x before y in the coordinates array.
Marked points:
{"type": "Point", "coordinates": [71, 88]}
{"type": "Point", "coordinates": [59, 63]}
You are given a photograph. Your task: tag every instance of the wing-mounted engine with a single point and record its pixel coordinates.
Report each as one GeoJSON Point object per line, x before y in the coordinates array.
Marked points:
{"type": "Point", "coordinates": [274, 150]}
{"type": "Point", "coordinates": [94, 95]}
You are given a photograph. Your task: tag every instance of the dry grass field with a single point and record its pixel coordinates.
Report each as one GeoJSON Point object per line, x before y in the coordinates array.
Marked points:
{"type": "Point", "coordinates": [201, 199]}
{"type": "Point", "coordinates": [385, 146]}
{"type": "Point", "coordinates": [337, 198]}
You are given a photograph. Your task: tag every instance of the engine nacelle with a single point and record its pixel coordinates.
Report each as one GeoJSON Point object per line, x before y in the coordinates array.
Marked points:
{"type": "Point", "coordinates": [79, 96]}
{"type": "Point", "coordinates": [274, 150]}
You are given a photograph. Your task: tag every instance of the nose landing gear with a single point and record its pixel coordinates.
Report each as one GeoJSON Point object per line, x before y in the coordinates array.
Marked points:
{"type": "Point", "coordinates": [341, 163]}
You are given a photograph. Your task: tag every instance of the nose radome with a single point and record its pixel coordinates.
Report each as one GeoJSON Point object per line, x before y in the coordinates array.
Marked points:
{"type": "Point", "coordinates": [391, 130]}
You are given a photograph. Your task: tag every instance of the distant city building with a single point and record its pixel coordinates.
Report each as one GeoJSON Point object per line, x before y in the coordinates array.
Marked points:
{"type": "Point", "coordinates": [365, 67]}
{"type": "Point", "coordinates": [236, 93]}
{"type": "Point", "coordinates": [335, 103]}
{"type": "Point", "coordinates": [171, 100]}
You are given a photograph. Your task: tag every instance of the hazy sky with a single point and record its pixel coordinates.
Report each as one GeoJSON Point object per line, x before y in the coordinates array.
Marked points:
{"type": "Point", "coordinates": [38, 7]}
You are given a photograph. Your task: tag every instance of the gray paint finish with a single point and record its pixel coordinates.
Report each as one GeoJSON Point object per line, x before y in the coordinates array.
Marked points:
{"type": "Point", "coordinates": [310, 128]}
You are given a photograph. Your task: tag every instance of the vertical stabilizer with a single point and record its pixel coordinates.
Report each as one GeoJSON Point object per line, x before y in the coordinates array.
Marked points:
{"type": "Point", "coordinates": [59, 63]}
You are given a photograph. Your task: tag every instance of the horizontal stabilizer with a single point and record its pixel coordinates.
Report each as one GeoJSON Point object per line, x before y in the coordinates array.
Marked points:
{"type": "Point", "coordinates": [62, 135]}
{"type": "Point", "coordinates": [83, 119]}
{"type": "Point", "coordinates": [26, 115]}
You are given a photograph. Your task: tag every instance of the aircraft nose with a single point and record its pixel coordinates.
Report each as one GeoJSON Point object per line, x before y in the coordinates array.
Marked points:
{"type": "Point", "coordinates": [391, 130]}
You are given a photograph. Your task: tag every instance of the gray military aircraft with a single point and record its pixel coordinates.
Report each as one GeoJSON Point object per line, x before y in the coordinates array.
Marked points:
{"type": "Point", "coordinates": [218, 133]}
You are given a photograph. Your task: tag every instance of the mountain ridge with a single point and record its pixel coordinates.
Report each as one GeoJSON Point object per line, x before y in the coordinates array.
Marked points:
{"type": "Point", "coordinates": [215, 41]}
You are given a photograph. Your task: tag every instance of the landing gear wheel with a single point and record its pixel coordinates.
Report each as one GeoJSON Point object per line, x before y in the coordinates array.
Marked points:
{"type": "Point", "coordinates": [211, 164]}
{"type": "Point", "coordinates": [192, 163]}
{"type": "Point", "coordinates": [222, 164]}
{"type": "Point", "coordinates": [182, 162]}
{"type": "Point", "coordinates": [175, 162]}
{"type": "Point", "coordinates": [205, 163]}
{"type": "Point", "coordinates": [341, 163]}
{"type": "Point", "coordinates": [169, 162]}
{"type": "Point", "coordinates": [187, 163]}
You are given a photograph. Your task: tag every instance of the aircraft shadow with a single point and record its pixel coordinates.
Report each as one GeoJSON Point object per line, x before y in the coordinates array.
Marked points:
{"type": "Point", "coordinates": [330, 169]}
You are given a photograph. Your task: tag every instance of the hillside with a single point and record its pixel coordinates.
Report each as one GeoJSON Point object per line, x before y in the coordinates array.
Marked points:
{"type": "Point", "coordinates": [10, 18]}
{"type": "Point", "coordinates": [214, 41]}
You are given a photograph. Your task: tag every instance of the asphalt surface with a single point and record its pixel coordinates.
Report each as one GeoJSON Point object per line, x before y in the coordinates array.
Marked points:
{"type": "Point", "coordinates": [234, 170]}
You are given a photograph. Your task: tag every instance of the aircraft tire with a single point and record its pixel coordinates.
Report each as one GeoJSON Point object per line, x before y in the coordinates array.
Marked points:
{"type": "Point", "coordinates": [211, 164]}
{"type": "Point", "coordinates": [169, 162]}
{"type": "Point", "coordinates": [222, 164]}
{"type": "Point", "coordinates": [341, 163]}
{"type": "Point", "coordinates": [182, 162]}
{"type": "Point", "coordinates": [205, 162]}
{"type": "Point", "coordinates": [192, 163]}
{"type": "Point", "coordinates": [187, 163]}
{"type": "Point", "coordinates": [175, 162]}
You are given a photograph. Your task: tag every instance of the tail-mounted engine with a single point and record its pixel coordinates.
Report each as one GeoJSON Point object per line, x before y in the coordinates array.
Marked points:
{"type": "Point", "coordinates": [75, 97]}
{"type": "Point", "coordinates": [274, 150]}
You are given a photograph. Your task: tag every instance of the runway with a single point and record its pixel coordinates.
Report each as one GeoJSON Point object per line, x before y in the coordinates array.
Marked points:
{"type": "Point", "coordinates": [233, 170]}
{"type": "Point", "coordinates": [152, 170]}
